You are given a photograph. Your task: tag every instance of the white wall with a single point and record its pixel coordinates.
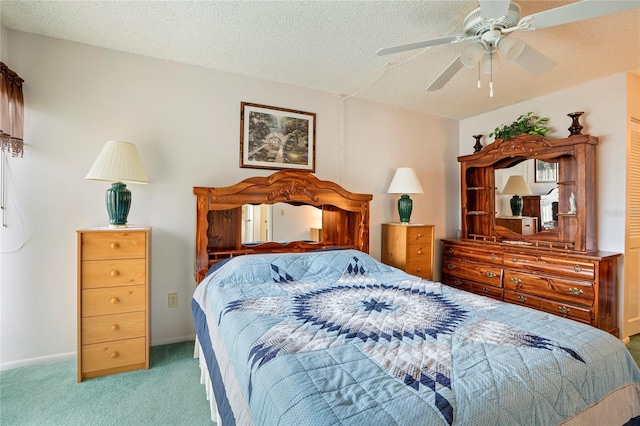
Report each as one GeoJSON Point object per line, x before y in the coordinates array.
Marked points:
{"type": "Point", "coordinates": [604, 104]}
{"type": "Point", "coordinates": [185, 123]}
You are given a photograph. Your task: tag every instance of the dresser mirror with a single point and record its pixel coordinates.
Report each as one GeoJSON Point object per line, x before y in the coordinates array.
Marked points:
{"type": "Point", "coordinates": [539, 202]}
{"type": "Point", "coordinates": [484, 175]}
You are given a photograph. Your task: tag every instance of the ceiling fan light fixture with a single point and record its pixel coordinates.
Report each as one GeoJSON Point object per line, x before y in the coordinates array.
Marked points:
{"type": "Point", "coordinates": [472, 55]}
{"type": "Point", "coordinates": [510, 48]}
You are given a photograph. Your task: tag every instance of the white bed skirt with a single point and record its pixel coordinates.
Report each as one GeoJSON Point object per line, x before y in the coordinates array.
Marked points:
{"type": "Point", "coordinates": [205, 379]}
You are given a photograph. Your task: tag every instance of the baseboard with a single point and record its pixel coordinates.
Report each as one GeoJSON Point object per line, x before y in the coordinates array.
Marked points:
{"type": "Point", "coordinates": [158, 342]}
{"type": "Point", "coordinates": [74, 355]}
{"type": "Point", "coordinates": [40, 360]}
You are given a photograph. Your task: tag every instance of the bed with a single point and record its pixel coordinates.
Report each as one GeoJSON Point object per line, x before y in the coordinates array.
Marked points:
{"type": "Point", "coordinates": [325, 334]}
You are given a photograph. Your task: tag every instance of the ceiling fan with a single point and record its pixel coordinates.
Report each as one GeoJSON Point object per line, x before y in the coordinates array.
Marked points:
{"type": "Point", "coordinates": [490, 25]}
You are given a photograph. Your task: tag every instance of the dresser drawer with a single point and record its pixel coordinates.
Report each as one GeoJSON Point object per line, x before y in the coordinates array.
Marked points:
{"type": "Point", "coordinates": [522, 299]}
{"type": "Point", "coordinates": [556, 288]}
{"type": "Point", "coordinates": [473, 253]}
{"type": "Point", "coordinates": [418, 235]}
{"type": "Point", "coordinates": [116, 300]}
{"type": "Point", "coordinates": [113, 273]}
{"type": "Point", "coordinates": [113, 245]}
{"type": "Point", "coordinates": [103, 356]}
{"type": "Point", "coordinates": [104, 328]}
{"type": "Point", "coordinates": [485, 274]}
{"type": "Point", "coordinates": [458, 283]}
{"type": "Point", "coordinates": [581, 269]}
{"type": "Point", "coordinates": [487, 290]}
{"type": "Point", "coordinates": [569, 311]}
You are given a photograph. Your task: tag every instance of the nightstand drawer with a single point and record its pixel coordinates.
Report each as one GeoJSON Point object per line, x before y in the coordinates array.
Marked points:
{"type": "Point", "coordinates": [418, 235]}
{"type": "Point", "coordinates": [419, 268]}
{"type": "Point", "coordinates": [103, 356]}
{"type": "Point", "coordinates": [113, 273]}
{"type": "Point", "coordinates": [105, 328]}
{"type": "Point", "coordinates": [113, 245]}
{"type": "Point", "coordinates": [116, 300]}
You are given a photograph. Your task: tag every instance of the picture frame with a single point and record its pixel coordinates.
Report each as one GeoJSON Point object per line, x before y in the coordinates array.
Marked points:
{"type": "Point", "coordinates": [277, 138]}
{"type": "Point", "coordinates": [545, 171]}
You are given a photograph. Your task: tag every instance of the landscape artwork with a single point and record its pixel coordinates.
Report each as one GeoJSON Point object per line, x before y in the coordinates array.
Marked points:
{"type": "Point", "coordinates": [276, 138]}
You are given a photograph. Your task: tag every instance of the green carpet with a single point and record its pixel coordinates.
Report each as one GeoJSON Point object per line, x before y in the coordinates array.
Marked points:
{"type": "Point", "coordinates": [169, 393]}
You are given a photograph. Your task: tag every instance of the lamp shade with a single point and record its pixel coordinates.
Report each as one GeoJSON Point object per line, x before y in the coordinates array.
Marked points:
{"type": "Point", "coordinates": [510, 48]}
{"type": "Point", "coordinates": [118, 162]}
{"type": "Point", "coordinates": [471, 56]}
{"type": "Point", "coordinates": [405, 181]}
{"type": "Point", "coordinates": [516, 185]}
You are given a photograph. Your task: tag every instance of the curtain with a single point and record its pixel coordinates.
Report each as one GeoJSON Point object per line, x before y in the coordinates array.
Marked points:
{"type": "Point", "coordinates": [11, 112]}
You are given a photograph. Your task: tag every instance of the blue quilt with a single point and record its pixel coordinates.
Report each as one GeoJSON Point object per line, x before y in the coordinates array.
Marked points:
{"type": "Point", "coordinates": [338, 338]}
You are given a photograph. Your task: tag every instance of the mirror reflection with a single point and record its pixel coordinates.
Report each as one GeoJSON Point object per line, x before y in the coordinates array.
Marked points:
{"type": "Point", "coordinates": [280, 222]}
{"type": "Point", "coordinates": [527, 197]}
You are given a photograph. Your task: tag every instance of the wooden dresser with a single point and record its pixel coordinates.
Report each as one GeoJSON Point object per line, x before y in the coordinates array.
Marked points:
{"type": "Point", "coordinates": [409, 247]}
{"type": "Point", "coordinates": [579, 286]}
{"type": "Point", "coordinates": [113, 300]}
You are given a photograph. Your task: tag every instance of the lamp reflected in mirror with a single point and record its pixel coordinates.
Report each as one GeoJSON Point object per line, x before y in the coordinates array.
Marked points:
{"type": "Point", "coordinates": [516, 186]}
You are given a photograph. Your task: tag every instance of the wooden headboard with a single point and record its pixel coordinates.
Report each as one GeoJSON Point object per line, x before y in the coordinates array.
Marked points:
{"type": "Point", "coordinates": [345, 216]}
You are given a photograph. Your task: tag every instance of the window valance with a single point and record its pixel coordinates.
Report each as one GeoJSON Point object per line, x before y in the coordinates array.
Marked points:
{"type": "Point", "coordinates": [11, 112]}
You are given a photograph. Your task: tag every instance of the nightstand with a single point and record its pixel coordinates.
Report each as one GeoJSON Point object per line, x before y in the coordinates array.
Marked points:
{"type": "Point", "coordinates": [522, 225]}
{"type": "Point", "coordinates": [113, 300]}
{"type": "Point", "coordinates": [409, 247]}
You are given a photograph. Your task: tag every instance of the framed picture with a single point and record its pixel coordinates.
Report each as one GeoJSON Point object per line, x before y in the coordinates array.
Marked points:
{"type": "Point", "coordinates": [277, 138]}
{"type": "Point", "coordinates": [546, 172]}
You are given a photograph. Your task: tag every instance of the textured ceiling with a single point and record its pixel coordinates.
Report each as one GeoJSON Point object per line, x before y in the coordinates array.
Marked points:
{"type": "Point", "coordinates": [331, 45]}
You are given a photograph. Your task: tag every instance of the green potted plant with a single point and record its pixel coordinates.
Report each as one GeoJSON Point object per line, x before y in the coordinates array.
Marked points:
{"type": "Point", "coordinates": [528, 123]}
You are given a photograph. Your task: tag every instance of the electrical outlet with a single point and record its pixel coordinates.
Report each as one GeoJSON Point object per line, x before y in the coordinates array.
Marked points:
{"type": "Point", "coordinates": [173, 300]}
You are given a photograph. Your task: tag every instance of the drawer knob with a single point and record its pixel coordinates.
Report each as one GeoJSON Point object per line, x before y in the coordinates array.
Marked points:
{"type": "Point", "coordinates": [115, 300]}
{"type": "Point", "coordinates": [419, 251]}
{"type": "Point", "coordinates": [522, 299]}
{"type": "Point", "coordinates": [490, 274]}
{"type": "Point", "coordinates": [492, 256]}
{"type": "Point", "coordinates": [450, 266]}
{"type": "Point", "coordinates": [115, 245]}
{"type": "Point", "coordinates": [575, 291]}
{"type": "Point", "coordinates": [457, 282]}
{"type": "Point", "coordinates": [577, 268]}
{"type": "Point", "coordinates": [514, 260]}
{"type": "Point", "coordinates": [115, 273]}
{"type": "Point", "coordinates": [115, 354]}
{"type": "Point", "coordinates": [115, 327]}
{"type": "Point", "coordinates": [485, 289]}
{"type": "Point", "coordinates": [515, 280]}
{"type": "Point", "coordinates": [419, 235]}
{"type": "Point", "coordinates": [418, 269]}
{"type": "Point", "coordinates": [451, 250]}
{"type": "Point", "coordinates": [563, 309]}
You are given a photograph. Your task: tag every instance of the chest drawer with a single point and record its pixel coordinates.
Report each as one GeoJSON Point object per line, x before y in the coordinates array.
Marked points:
{"type": "Point", "coordinates": [485, 274]}
{"type": "Point", "coordinates": [575, 268]}
{"type": "Point", "coordinates": [116, 300]}
{"type": "Point", "coordinates": [473, 253]}
{"type": "Point", "coordinates": [421, 268]}
{"type": "Point", "coordinates": [113, 245]}
{"type": "Point", "coordinates": [418, 236]}
{"type": "Point", "coordinates": [103, 356]}
{"type": "Point", "coordinates": [556, 288]}
{"type": "Point", "coordinates": [105, 328]}
{"type": "Point", "coordinates": [112, 273]}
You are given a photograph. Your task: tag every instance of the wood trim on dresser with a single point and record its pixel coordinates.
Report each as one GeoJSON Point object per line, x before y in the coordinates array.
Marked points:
{"type": "Point", "coordinates": [345, 216]}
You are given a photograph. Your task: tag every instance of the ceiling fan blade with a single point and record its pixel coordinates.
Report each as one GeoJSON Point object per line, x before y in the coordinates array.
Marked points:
{"type": "Point", "coordinates": [534, 61]}
{"type": "Point", "coordinates": [421, 44]}
{"type": "Point", "coordinates": [585, 9]}
{"type": "Point", "coordinates": [494, 9]}
{"type": "Point", "coordinates": [446, 75]}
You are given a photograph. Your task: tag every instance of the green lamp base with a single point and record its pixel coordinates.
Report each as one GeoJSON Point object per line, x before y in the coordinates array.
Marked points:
{"type": "Point", "coordinates": [405, 205]}
{"type": "Point", "coordinates": [118, 200]}
{"type": "Point", "coordinates": [516, 206]}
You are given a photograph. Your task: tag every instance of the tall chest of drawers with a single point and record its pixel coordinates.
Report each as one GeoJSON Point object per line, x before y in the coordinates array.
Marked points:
{"type": "Point", "coordinates": [113, 300]}
{"type": "Point", "coordinates": [579, 286]}
{"type": "Point", "coordinates": [409, 247]}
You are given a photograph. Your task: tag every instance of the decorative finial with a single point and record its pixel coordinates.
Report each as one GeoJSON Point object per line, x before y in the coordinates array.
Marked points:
{"type": "Point", "coordinates": [478, 146]}
{"type": "Point", "coordinates": [575, 125]}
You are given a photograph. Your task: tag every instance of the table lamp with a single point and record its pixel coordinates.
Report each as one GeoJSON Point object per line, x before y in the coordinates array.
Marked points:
{"type": "Point", "coordinates": [118, 162]}
{"type": "Point", "coordinates": [516, 186]}
{"type": "Point", "coordinates": [405, 182]}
